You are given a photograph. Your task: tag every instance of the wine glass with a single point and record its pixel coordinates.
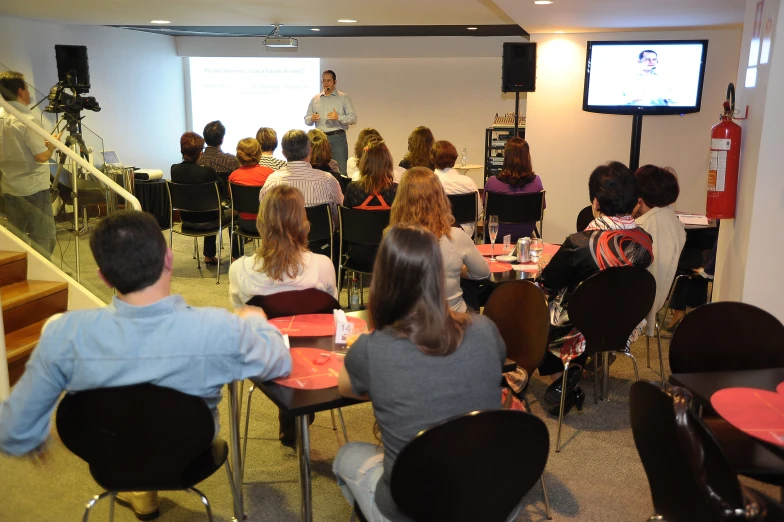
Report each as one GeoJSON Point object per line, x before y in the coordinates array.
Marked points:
{"type": "Point", "coordinates": [537, 247]}
{"type": "Point", "coordinates": [492, 228]}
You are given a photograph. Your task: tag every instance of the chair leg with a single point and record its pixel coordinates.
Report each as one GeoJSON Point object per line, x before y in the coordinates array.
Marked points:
{"type": "Point", "coordinates": [334, 425]}
{"type": "Point", "coordinates": [648, 350]}
{"type": "Point", "coordinates": [634, 362]}
{"type": "Point", "coordinates": [220, 247]}
{"type": "Point", "coordinates": [205, 502]}
{"type": "Point", "coordinates": [93, 501]}
{"type": "Point", "coordinates": [247, 423]}
{"type": "Point", "coordinates": [227, 466]}
{"type": "Point", "coordinates": [661, 358]}
{"type": "Point", "coordinates": [340, 282]}
{"type": "Point", "coordinates": [596, 378]}
{"type": "Point", "coordinates": [606, 376]}
{"type": "Point", "coordinates": [561, 412]}
{"type": "Point", "coordinates": [343, 425]}
{"type": "Point", "coordinates": [361, 292]}
{"type": "Point", "coordinates": [547, 511]}
{"type": "Point", "coordinates": [111, 505]}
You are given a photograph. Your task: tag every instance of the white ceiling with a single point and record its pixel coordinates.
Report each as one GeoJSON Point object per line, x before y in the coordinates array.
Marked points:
{"type": "Point", "coordinates": [566, 15]}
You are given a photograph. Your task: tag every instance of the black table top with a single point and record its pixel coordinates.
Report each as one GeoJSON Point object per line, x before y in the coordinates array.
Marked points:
{"type": "Point", "coordinates": [704, 385]}
{"type": "Point", "coordinates": [511, 275]}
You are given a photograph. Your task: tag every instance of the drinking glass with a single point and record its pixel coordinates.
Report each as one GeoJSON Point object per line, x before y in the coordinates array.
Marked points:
{"type": "Point", "coordinates": [537, 247]}
{"type": "Point", "coordinates": [492, 229]}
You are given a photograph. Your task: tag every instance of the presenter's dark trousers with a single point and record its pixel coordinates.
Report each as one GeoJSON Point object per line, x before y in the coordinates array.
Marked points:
{"type": "Point", "coordinates": [30, 218]}
{"type": "Point", "coordinates": [339, 144]}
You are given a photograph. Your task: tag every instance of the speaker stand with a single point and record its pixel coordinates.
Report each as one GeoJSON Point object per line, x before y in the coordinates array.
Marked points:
{"type": "Point", "coordinates": [517, 111]}
{"type": "Point", "coordinates": [634, 151]}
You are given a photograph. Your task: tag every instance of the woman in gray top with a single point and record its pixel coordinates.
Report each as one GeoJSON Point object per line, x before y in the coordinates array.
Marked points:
{"type": "Point", "coordinates": [422, 364]}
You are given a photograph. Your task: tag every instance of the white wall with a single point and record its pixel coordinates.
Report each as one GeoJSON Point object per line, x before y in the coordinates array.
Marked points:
{"type": "Point", "coordinates": [750, 249]}
{"type": "Point", "coordinates": [567, 143]}
{"type": "Point", "coordinates": [450, 84]}
{"type": "Point", "coordinates": [136, 77]}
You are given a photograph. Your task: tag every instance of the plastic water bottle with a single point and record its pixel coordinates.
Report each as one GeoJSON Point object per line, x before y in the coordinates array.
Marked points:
{"type": "Point", "coordinates": [464, 158]}
{"type": "Point", "coordinates": [353, 300]}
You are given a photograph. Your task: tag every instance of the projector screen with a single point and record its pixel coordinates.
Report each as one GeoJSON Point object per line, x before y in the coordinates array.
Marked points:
{"type": "Point", "coordinates": [248, 93]}
{"type": "Point", "coordinates": [644, 77]}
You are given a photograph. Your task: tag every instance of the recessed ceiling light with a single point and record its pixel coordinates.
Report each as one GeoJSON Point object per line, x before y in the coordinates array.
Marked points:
{"type": "Point", "coordinates": [558, 32]}
{"type": "Point", "coordinates": [346, 21]}
{"type": "Point", "coordinates": [471, 28]}
{"type": "Point", "coordinates": [160, 22]}
{"type": "Point", "coordinates": [315, 29]}
{"type": "Point", "coordinates": [542, 2]}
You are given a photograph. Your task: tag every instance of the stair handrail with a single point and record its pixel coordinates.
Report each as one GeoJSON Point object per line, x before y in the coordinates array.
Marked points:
{"type": "Point", "coordinates": [103, 178]}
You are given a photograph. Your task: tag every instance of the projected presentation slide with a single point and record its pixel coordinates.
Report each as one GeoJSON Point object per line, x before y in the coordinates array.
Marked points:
{"type": "Point", "coordinates": [248, 93]}
{"type": "Point", "coordinates": [645, 75]}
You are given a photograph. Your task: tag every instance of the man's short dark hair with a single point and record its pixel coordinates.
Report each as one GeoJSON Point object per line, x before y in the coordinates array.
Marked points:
{"type": "Point", "coordinates": [330, 71]}
{"type": "Point", "coordinates": [214, 132]}
{"type": "Point", "coordinates": [296, 145]}
{"type": "Point", "coordinates": [10, 83]}
{"type": "Point", "coordinates": [642, 54]}
{"type": "Point", "coordinates": [129, 248]}
{"type": "Point", "coordinates": [614, 187]}
{"type": "Point", "coordinates": [657, 186]}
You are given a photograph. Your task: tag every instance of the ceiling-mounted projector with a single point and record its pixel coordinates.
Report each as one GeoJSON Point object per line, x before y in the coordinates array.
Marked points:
{"type": "Point", "coordinates": [274, 39]}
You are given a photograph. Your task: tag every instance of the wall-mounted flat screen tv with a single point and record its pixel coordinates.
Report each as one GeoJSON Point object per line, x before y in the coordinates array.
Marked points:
{"type": "Point", "coordinates": [645, 76]}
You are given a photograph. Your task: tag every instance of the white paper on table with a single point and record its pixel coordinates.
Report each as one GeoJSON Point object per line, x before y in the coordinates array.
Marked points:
{"type": "Point", "coordinates": [342, 327]}
{"type": "Point", "coordinates": [693, 219]}
{"type": "Point", "coordinates": [286, 341]}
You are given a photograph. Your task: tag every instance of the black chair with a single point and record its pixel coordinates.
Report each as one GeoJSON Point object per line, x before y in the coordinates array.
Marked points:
{"type": "Point", "coordinates": [689, 476]}
{"type": "Point", "coordinates": [606, 308]}
{"type": "Point", "coordinates": [142, 438]}
{"type": "Point", "coordinates": [244, 198]}
{"type": "Point", "coordinates": [584, 218]}
{"type": "Point", "coordinates": [362, 228]}
{"type": "Point", "coordinates": [293, 302]}
{"type": "Point", "coordinates": [321, 235]}
{"type": "Point", "coordinates": [198, 197]}
{"type": "Point", "coordinates": [471, 467]}
{"type": "Point", "coordinates": [516, 209]}
{"type": "Point", "coordinates": [727, 336]}
{"type": "Point", "coordinates": [465, 208]}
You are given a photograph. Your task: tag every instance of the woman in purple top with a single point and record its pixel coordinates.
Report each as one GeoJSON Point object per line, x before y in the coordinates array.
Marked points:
{"type": "Point", "coordinates": [517, 177]}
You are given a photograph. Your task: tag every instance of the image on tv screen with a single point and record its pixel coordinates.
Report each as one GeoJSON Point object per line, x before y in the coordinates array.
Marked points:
{"type": "Point", "coordinates": [653, 76]}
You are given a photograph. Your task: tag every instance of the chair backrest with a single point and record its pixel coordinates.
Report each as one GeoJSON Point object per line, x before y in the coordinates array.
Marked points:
{"type": "Point", "coordinates": [608, 306]}
{"type": "Point", "coordinates": [136, 438]}
{"type": "Point", "coordinates": [244, 198]}
{"type": "Point", "coordinates": [293, 302]}
{"type": "Point", "coordinates": [471, 467]}
{"type": "Point", "coordinates": [584, 218]}
{"type": "Point", "coordinates": [681, 458]}
{"type": "Point", "coordinates": [516, 208]}
{"type": "Point", "coordinates": [464, 207]}
{"type": "Point", "coordinates": [362, 227]}
{"type": "Point", "coordinates": [197, 197]}
{"type": "Point", "coordinates": [727, 336]}
{"type": "Point", "coordinates": [320, 218]}
{"type": "Point", "coordinates": [519, 310]}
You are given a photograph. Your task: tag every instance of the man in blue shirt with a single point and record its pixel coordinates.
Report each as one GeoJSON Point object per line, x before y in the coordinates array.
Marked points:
{"type": "Point", "coordinates": [144, 335]}
{"type": "Point", "coordinates": [331, 111]}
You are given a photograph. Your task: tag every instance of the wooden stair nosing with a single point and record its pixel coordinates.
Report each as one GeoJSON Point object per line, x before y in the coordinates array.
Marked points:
{"type": "Point", "coordinates": [7, 256]}
{"type": "Point", "coordinates": [24, 292]}
{"type": "Point", "coordinates": [20, 343]}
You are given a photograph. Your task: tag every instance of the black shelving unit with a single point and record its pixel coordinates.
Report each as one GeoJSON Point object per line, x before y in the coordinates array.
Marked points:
{"type": "Point", "coordinates": [495, 141]}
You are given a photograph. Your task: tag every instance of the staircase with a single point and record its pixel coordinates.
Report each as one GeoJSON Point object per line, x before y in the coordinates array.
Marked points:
{"type": "Point", "coordinates": [27, 304]}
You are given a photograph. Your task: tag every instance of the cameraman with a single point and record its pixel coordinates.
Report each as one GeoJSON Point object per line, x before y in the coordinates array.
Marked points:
{"type": "Point", "coordinates": [24, 158]}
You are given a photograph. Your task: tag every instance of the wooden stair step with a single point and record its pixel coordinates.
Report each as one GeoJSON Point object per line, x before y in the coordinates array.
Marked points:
{"type": "Point", "coordinates": [28, 302]}
{"type": "Point", "coordinates": [20, 343]}
{"type": "Point", "coordinates": [24, 292]}
{"type": "Point", "coordinates": [7, 256]}
{"type": "Point", "coordinates": [13, 267]}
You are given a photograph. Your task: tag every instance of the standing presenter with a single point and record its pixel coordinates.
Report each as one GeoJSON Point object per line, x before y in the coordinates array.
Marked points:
{"type": "Point", "coordinates": [332, 112]}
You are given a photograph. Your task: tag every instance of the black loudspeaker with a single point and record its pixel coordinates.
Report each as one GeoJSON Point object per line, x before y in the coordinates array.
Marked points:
{"type": "Point", "coordinates": [519, 70]}
{"type": "Point", "coordinates": [72, 59]}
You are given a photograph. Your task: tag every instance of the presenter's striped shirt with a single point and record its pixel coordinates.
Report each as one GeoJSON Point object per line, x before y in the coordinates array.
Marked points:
{"type": "Point", "coordinates": [318, 187]}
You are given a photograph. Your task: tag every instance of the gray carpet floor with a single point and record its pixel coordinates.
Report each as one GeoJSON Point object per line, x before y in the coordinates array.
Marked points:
{"type": "Point", "coordinates": [596, 477]}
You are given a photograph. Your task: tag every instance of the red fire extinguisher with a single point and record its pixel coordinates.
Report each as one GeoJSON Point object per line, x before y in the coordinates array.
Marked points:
{"type": "Point", "coordinates": [724, 163]}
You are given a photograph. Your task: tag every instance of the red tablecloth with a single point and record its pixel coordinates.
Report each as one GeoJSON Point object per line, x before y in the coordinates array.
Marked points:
{"type": "Point", "coordinates": [498, 266]}
{"type": "Point", "coordinates": [312, 369]}
{"type": "Point", "coordinates": [759, 413]}
{"type": "Point", "coordinates": [310, 325]}
{"type": "Point", "coordinates": [487, 249]}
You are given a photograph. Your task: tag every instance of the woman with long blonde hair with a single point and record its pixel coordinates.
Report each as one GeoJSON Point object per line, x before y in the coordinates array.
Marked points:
{"type": "Point", "coordinates": [283, 261]}
{"type": "Point", "coordinates": [421, 200]}
{"type": "Point", "coordinates": [375, 189]}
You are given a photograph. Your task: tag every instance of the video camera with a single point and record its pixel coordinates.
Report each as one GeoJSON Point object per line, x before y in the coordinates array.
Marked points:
{"type": "Point", "coordinates": [73, 73]}
{"type": "Point", "coordinates": [61, 101]}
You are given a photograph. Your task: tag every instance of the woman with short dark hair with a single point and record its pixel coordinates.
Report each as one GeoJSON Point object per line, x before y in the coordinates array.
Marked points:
{"type": "Point", "coordinates": [657, 189]}
{"type": "Point", "coordinates": [517, 177]}
{"type": "Point", "coordinates": [443, 155]}
{"type": "Point", "coordinates": [419, 354]}
{"type": "Point", "coordinates": [611, 239]}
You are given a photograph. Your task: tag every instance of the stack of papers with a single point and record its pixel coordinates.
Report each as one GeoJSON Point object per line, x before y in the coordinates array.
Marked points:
{"type": "Point", "coordinates": [693, 219]}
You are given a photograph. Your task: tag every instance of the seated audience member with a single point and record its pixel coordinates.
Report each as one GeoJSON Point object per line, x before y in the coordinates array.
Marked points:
{"type": "Point", "coordinates": [316, 186]}
{"type": "Point", "coordinates": [253, 174]}
{"type": "Point", "coordinates": [420, 354]}
{"type": "Point", "coordinates": [364, 136]}
{"type": "Point", "coordinates": [443, 156]}
{"type": "Point", "coordinates": [223, 162]}
{"type": "Point", "coordinates": [420, 200]}
{"type": "Point", "coordinates": [375, 189]}
{"type": "Point", "coordinates": [419, 143]}
{"type": "Point", "coordinates": [517, 177]}
{"type": "Point", "coordinates": [190, 172]}
{"type": "Point", "coordinates": [268, 139]}
{"type": "Point", "coordinates": [321, 156]}
{"type": "Point", "coordinates": [282, 263]}
{"type": "Point", "coordinates": [657, 189]}
{"type": "Point", "coordinates": [692, 292]}
{"type": "Point", "coordinates": [145, 335]}
{"type": "Point", "coordinates": [611, 239]}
